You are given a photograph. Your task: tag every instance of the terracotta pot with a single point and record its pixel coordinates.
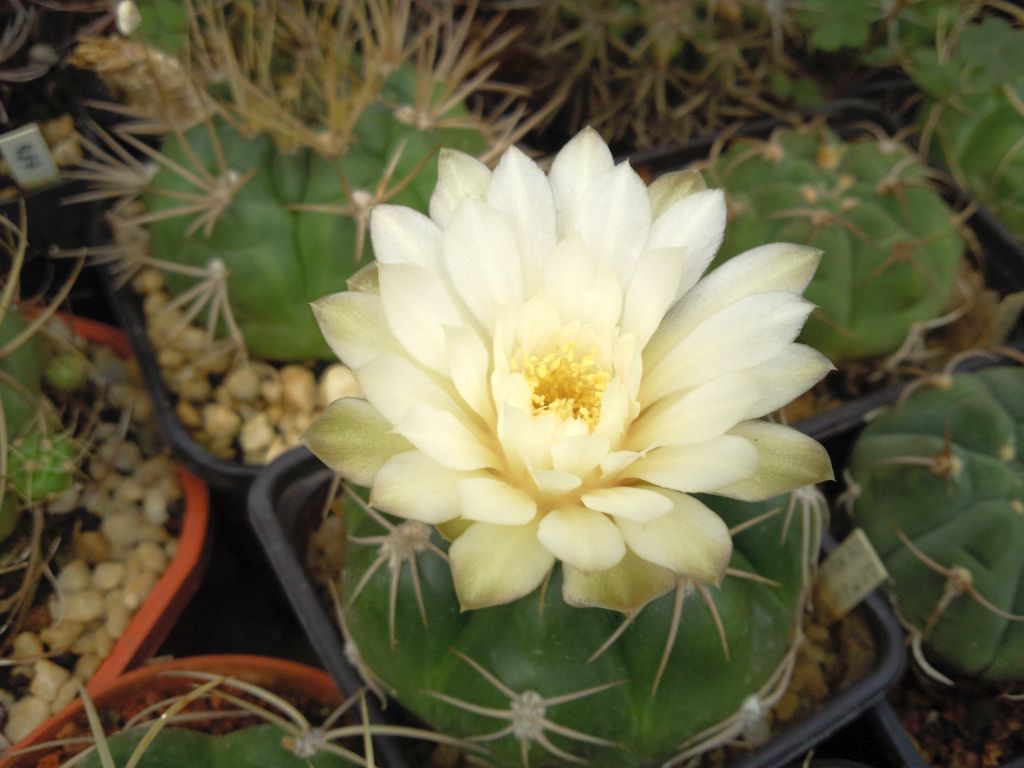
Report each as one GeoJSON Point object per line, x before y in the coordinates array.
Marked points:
{"type": "Point", "coordinates": [279, 675]}
{"type": "Point", "coordinates": [153, 620]}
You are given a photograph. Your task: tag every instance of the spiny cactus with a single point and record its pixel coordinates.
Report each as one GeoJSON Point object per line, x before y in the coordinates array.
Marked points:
{"type": "Point", "coordinates": [252, 747]}
{"type": "Point", "coordinates": [972, 121]}
{"type": "Point", "coordinates": [937, 483]}
{"type": "Point", "coordinates": [648, 72]}
{"type": "Point", "coordinates": [882, 31]}
{"type": "Point", "coordinates": [256, 212]}
{"type": "Point", "coordinates": [891, 243]}
{"type": "Point", "coordinates": [535, 680]}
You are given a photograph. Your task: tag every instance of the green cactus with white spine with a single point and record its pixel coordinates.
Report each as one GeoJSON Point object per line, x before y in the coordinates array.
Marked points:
{"type": "Point", "coordinates": [937, 483]}
{"type": "Point", "coordinates": [972, 121]}
{"type": "Point", "coordinates": [256, 211]}
{"type": "Point", "coordinates": [536, 680]}
{"type": "Point", "coordinates": [891, 243]}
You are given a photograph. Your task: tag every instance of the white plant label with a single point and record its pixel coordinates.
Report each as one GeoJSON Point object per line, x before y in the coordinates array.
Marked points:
{"type": "Point", "coordinates": [28, 157]}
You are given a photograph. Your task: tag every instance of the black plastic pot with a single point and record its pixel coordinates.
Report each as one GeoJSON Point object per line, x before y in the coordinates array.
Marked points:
{"type": "Point", "coordinates": [1001, 263]}
{"type": "Point", "coordinates": [231, 478]}
{"type": "Point", "coordinates": [284, 505]}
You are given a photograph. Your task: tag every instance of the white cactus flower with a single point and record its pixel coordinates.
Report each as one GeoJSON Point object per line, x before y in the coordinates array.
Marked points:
{"type": "Point", "coordinates": [547, 377]}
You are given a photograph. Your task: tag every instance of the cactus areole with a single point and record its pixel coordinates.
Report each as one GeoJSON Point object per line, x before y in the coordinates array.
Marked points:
{"type": "Point", "coordinates": [938, 486]}
{"type": "Point", "coordinates": [277, 254]}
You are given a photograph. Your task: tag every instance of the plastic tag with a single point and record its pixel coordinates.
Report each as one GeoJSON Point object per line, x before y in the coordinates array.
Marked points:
{"type": "Point", "coordinates": [849, 574]}
{"type": "Point", "coordinates": [28, 157]}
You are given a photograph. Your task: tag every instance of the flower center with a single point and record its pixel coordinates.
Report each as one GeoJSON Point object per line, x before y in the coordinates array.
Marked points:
{"type": "Point", "coordinates": [566, 383]}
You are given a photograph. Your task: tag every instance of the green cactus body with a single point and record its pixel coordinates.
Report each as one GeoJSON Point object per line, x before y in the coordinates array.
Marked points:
{"type": "Point", "coordinates": [978, 136]}
{"type": "Point", "coordinates": [259, 746]}
{"type": "Point", "coordinates": [517, 676]}
{"type": "Point", "coordinates": [891, 246]}
{"type": "Point", "coordinates": [39, 466]}
{"type": "Point", "coordinates": [947, 470]}
{"type": "Point", "coordinates": [24, 366]}
{"type": "Point", "coordinates": [278, 259]}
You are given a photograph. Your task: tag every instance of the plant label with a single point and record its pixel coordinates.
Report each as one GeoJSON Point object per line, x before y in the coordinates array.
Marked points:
{"type": "Point", "coordinates": [849, 574]}
{"type": "Point", "coordinates": [28, 157]}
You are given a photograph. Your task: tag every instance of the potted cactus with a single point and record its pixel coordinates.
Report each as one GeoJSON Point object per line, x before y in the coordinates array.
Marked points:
{"type": "Point", "coordinates": [217, 711]}
{"type": "Point", "coordinates": [551, 412]}
{"type": "Point", "coordinates": [937, 484]}
{"type": "Point", "coordinates": [257, 199]}
{"type": "Point", "coordinates": [102, 536]}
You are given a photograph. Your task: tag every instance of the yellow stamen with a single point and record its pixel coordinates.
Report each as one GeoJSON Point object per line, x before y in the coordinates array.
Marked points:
{"type": "Point", "coordinates": [564, 383]}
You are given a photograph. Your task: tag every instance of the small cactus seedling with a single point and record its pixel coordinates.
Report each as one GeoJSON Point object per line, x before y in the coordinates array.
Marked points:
{"type": "Point", "coordinates": [892, 247]}
{"type": "Point", "coordinates": [537, 682]}
{"type": "Point", "coordinates": [973, 119]}
{"type": "Point", "coordinates": [937, 483]}
{"type": "Point", "coordinates": [255, 212]}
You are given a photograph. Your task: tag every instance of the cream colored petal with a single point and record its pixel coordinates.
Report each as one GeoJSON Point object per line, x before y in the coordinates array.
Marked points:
{"type": "Point", "coordinates": [449, 440]}
{"type": "Point", "coordinates": [526, 438]}
{"type": "Point", "coordinates": [614, 220]}
{"type": "Point", "coordinates": [417, 306]}
{"type": "Point", "coordinates": [355, 327]}
{"type": "Point", "coordinates": [520, 190]}
{"type": "Point", "coordinates": [785, 377]}
{"type": "Point", "coordinates": [616, 461]}
{"type": "Point", "coordinates": [638, 504]}
{"type": "Point", "coordinates": [459, 176]}
{"type": "Point", "coordinates": [403, 235]}
{"type": "Point", "coordinates": [414, 486]}
{"type": "Point", "coordinates": [706, 411]}
{"type": "Point", "coordinates": [496, 564]}
{"type": "Point", "coordinates": [582, 160]}
{"type": "Point", "coordinates": [617, 410]}
{"type": "Point", "coordinates": [394, 384]}
{"type": "Point", "coordinates": [601, 305]}
{"type": "Point", "coordinates": [699, 467]}
{"type": "Point", "coordinates": [778, 267]}
{"type": "Point", "coordinates": [627, 586]}
{"type": "Point", "coordinates": [483, 260]}
{"type": "Point", "coordinates": [581, 537]}
{"type": "Point", "coordinates": [652, 291]}
{"type": "Point", "coordinates": [670, 188]}
{"type": "Point", "coordinates": [579, 455]}
{"type": "Point", "coordinates": [788, 460]}
{"type": "Point", "coordinates": [489, 500]}
{"type": "Point", "coordinates": [691, 540]}
{"type": "Point", "coordinates": [353, 439]}
{"type": "Point", "coordinates": [552, 483]}
{"type": "Point", "coordinates": [742, 335]}
{"type": "Point", "coordinates": [469, 364]}
{"type": "Point", "coordinates": [695, 223]}
{"type": "Point", "coordinates": [567, 274]}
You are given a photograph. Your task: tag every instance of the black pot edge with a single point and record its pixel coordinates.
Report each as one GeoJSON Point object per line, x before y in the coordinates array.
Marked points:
{"type": "Point", "coordinates": [275, 532]}
{"type": "Point", "coordinates": [231, 477]}
{"type": "Point", "coordinates": [276, 539]}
